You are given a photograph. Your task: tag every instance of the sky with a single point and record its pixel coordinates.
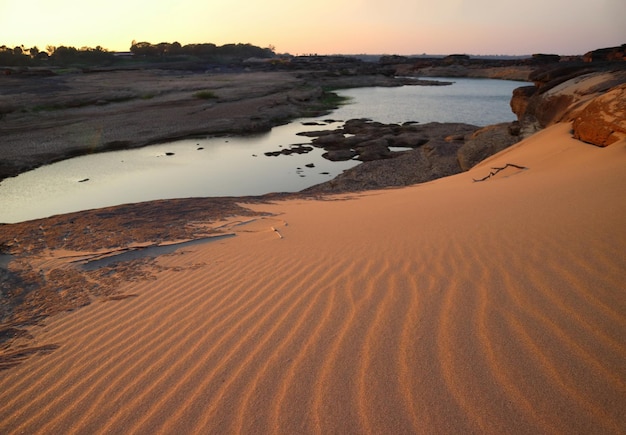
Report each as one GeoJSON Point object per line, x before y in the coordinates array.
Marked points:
{"type": "Point", "coordinates": [404, 27]}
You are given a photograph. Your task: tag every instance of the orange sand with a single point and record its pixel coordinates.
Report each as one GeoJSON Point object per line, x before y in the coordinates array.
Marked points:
{"type": "Point", "coordinates": [448, 307]}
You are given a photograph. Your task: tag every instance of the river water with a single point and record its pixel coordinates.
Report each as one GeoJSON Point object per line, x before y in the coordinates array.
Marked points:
{"type": "Point", "coordinates": [237, 166]}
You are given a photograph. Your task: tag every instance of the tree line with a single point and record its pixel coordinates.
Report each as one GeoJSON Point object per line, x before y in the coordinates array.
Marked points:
{"type": "Point", "coordinates": [21, 56]}
{"type": "Point", "coordinates": [165, 49]}
{"type": "Point", "coordinates": [57, 56]}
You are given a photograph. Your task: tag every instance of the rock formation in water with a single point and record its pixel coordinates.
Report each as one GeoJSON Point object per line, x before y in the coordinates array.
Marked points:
{"type": "Point", "coordinates": [432, 153]}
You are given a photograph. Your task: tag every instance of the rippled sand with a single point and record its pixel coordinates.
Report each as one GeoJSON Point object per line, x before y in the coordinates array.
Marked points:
{"type": "Point", "coordinates": [448, 307]}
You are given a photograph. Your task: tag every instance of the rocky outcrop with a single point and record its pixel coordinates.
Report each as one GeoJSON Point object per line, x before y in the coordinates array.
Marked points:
{"type": "Point", "coordinates": [555, 99]}
{"type": "Point", "coordinates": [366, 140]}
{"type": "Point", "coordinates": [520, 99]}
{"type": "Point", "coordinates": [433, 154]}
{"type": "Point", "coordinates": [609, 54]}
{"type": "Point", "coordinates": [486, 142]}
{"type": "Point", "coordinates": [513, 72]}
{"type": "Point", "coordinates": [603, 121]}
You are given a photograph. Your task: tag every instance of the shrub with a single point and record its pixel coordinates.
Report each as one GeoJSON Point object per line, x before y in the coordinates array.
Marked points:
{"type": "Point", "coordinates": [205, 95]}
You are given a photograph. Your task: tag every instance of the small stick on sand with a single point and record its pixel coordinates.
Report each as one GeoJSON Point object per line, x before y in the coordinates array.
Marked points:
{"type": "Point", "coordinates": [280, 236]}
{"type": "Point", "coordinates": [496, 170]}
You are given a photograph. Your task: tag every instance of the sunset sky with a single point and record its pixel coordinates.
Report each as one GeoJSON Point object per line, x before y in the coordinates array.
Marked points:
{"type": "Point", "coordinates": [323, 26]}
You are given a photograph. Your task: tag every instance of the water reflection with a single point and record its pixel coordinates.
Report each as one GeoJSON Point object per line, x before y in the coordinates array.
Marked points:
{"type": "Point", "coordinates": [226, 166]}
{"type": "Point", "coordinates": [237, 166]}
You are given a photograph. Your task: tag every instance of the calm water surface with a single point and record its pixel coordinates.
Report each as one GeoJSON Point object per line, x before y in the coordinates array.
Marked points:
{"type": "Point", "coordinates": [237, 166]}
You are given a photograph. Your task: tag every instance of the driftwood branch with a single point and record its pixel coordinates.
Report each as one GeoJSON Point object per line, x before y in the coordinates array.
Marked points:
{"type": "Point", "coordinates": [494, 171]}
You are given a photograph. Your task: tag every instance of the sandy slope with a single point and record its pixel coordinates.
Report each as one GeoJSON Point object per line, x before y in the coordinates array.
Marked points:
{"type": "Point", "coordinates": [448, 307]}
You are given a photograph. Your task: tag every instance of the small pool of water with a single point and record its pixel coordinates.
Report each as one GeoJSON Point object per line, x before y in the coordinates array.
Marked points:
{"type": "Point", "coordinates": [148, 252]}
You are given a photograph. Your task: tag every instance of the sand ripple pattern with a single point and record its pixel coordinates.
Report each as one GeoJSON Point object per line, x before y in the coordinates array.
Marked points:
{"type": "Point", "coordinates": [384, 343]}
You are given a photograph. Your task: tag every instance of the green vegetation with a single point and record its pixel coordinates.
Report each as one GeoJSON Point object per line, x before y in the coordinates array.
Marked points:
{"type": "Point", "coordinates": [205, 95]}
{"type": "Point", "coordinates": [332, 100]}
{"type": "Point", "coordinates": [328, 101]}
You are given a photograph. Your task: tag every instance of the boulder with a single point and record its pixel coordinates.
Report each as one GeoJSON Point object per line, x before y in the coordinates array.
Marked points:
{"type": "Point", "coordinates": [520, 98]}
{"type": "Point", "coordinates": [406, 140]}
{"type": "Point", "coordinates": [366, 126]}
{"type": "Point", "coordinates": [339, 155]}
{"type": "Point", "coordinates": [484, 143]}
{"type": "Point", "coordinates": [375, 149]}
{"type": "Point", "coordinates": [330, 141]}
{"type": "Point", "coordinates": [603, 121]}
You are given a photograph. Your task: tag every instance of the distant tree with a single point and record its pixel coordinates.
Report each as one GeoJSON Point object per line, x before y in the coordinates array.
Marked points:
{"type": "Point", "coordinates": [175, 49]}
{"type": "Point", "coordinates": [200, 50]}
{"type": "Point", "coordinates": [143, 49]}
{"type": "Point", "coordinates": [95, 56]}
{"type": "Point", "coordinates": [65, 56]}
{"type": "Point", "coordinates": [6, 56]}
{"type": "Point", "coordinates": [13, 56]}
{"type": "Point", "coordinates": [162, 48]}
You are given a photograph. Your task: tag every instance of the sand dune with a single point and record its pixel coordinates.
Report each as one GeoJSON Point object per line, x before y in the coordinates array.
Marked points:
{"type": "Point", "coordinates": [448, 307]}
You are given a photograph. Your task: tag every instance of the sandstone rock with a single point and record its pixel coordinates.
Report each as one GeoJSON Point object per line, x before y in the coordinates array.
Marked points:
{"type": "Point", "coordinates": [375, 149]}
{"type": "Point", "coordinates": [300, 149]}
{"type": "Point", "coordinates": [331, 140]}
{"type": "Point", "coordinates": [606, 54]}
{"type": "Point", "coordinates": [564, 101]}
{"type": "Point", "coordinates": [435, 160]}
{"type": "Point", "coordinates": [406, 140]}
{"type": "Point", "coordinates": [339, 155]}
{"type": "Point", "coordinates": [293, 149]}
{"type": "Point", "coordinates": [365, 126]}
{"type": "Point", "coordinates": [432, 156]}
{"type": "Point", "coordinates": [520, 98]}
{"type": "Point", "coordinates": [484, 143]}
{"type": "Point", "coordinates": [603, 121]}
{"type": "Point", "coordinates": [454, 137]}
{"type": "Point", "coordinates": [316, 133]}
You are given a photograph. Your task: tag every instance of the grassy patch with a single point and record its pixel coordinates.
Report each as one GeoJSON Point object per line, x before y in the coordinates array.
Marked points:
{"type": "Point", "coordinates": [332, 101]}
{"type": "Point", "coordinates": [327, 102]}
{"type": "Point", "coordinates": [205, 95]}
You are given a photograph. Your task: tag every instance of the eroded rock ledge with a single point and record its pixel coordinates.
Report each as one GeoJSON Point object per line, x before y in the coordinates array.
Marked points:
{"type": "Point", "coordinates": [592, 97]}
{"type": "Point", "coordinates": [427, 151]}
